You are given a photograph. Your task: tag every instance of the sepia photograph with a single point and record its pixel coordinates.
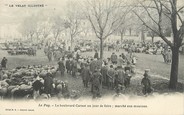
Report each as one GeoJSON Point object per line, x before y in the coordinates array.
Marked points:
{"type": "Point", "coordinates": [92, 57]}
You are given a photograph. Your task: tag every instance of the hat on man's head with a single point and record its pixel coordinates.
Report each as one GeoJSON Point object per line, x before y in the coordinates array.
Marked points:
{"type": "Point", "coordinates": [147, 70]}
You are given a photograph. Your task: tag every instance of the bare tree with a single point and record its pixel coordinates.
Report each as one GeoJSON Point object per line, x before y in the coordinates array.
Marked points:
{"type": "Point", "coordinates": [28, 27]}
{"type": "Point", "coordinates": [131, 23]}
{"type": "Point", "coordinates": [58, 25]}
{"type": "Point", "coordinates": [169, 9]}
{"type": "Point", "coordinates": [122, 32]}
{"type": "Point", "coordinates": [85, 28]}
{"type": "Point", "coordinates": [152, 35]}
{"type": "Point", "coordinates": [46, 27]}
{"type": "Point", "coordinates": [105, 17]}
{"type": "Point", "coordinates": [73, 18]}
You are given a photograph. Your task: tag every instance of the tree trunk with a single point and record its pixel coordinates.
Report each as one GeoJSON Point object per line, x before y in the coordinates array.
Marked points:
{"type": "Point", "coordinates": [121, 38]}
{"type": "Point", "coordinates": [142, 36]}
{"type": "Point", "coordinates": [101, 48]}
{"type": "Point", "coordinates": [152, 39]}
{"type": "Point", "coordinates": [130, 31]}
{"type": "Point", "coordinates": [174, 68]}
{"type": "Point", "coordinates": [71, 44]}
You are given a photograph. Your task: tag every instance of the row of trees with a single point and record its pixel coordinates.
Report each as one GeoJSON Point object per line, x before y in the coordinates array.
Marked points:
{"type": "Point", "coordinates": [42, 25]}
{"type": "Point", "coordinates": [107, 17]}
{"type": "Point", "coordinates": [169, 9]}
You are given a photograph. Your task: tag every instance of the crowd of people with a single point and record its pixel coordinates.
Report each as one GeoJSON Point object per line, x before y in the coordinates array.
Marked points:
{"type": "Point", "coordinates": [54, 51]}
{"type": "Point", "coordinates": [31, 51]}
{"type": "Point", "coordinates": [22, 48]}
{"type": "Point", "coordinates": [150, 48]}
{"type": "Point", "coordinates": [112, 73]}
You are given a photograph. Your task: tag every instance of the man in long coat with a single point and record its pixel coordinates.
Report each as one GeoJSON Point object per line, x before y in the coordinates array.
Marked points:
{"type": "Point", "coordinates": [93, 65]}
{"type": "Point", "coordinates": [49, 55]}
{"type": "Point", "coordinates": [96, 54]}
{"type": "Point", "coordinates": [146, 83]}
{"type": "Point", "coordinates": [96, 83]}
{"type": "Point", "coordinates": [119, 79]}
{"type": "Point", "coordinates": [104, 70]}
{"type": "Point", "coordinates": [48, 84]}
{"type": "Point", "coordinates": [4, 62]}
{"type": "Point", "coordinates": [68, 65]}
{"type": "Point", "coordinates": [37, 85]}
{"type": "Point", "coordinates": [120, 61]}
{"type": "Point", "coordinates": [111, 76]}
{"type": "Point", "coordinates": [114, 58]}
{"type": "Point", "coordinates": [86, 75]}
{"type": "Point", "coordinates": [61, 67]}
{"type": "Point", "coordinates": [74, 67]}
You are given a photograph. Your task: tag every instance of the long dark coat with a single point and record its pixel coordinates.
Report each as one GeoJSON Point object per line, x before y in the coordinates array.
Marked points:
{"type": "Point", "coordinates": [3, 62]}
{"type": "Point", "coordinates": [111, 75]}
{"type": "Point", "coordinates": [68, 67]}
{"type": "Point", "coordinates": [37, 85]}
{"type": "Point", "coordinates": [48, 81]}
{"type": "Point", "coordinates": [85, 74]}
{"type": "Point", "coordinates": [74, 66]}
{"type": "Point", "coordinates": [97, 79]}
{"type": "Point", "coordinates": [104, 70]}
{"type": "Point", "coordinates": [96, 55]}
{"type": "Point", "coordinates": [93, 66]}
{"type": "Point", "coordinates": [114, 58]}
{"type": "Point", "coordinates": [121, 76]}
{"type": "Point", "coordinates": [61, 66]}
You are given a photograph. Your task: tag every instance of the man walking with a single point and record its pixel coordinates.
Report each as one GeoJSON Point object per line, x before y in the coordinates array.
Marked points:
{"type": "Point", "coordinates": [4, 62]}
{"type": "Point", "coordinates": [96, 83]}
{"type": "Point", "coordinates": [86, 75]}
{"type": "Point", "coordinates": [61, 66]}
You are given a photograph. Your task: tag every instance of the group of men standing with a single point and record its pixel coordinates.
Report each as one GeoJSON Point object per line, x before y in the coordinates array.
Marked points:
{"type": "Point", "coordinates": [111, 74]}
{"type": "Point", "coordinates": [114, 73]}
{"type": "Point", "coordinates": [167, 55]}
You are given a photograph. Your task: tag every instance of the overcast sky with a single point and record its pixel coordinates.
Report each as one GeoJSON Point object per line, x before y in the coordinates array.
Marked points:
{"type": "Point", "coordinates": [9, 15]}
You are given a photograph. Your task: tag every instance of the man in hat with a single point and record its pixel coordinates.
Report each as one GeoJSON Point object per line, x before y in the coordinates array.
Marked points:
{"type": "Point", "coordinates": [96, 83]}
{"type": "Point", "coordinates": [37, 86]}
{"type": "Point", "coordinates": [74, 68]}
{"type": "Point", "coordinates": [127, 78]}
{"type": "Point", "coordinates": [96, 54]}
{"type": "Point", "coordinates": [48, 84]}
{"type": "Point", "coordinates": [104, 70]}
{"type": "Point", "coordinates": [86, 75]}
{"type": "Point", "coordinates": [111, 76]}
{"type": "Point", "coordinates": [114, 58]}
{"type": "Point", "coordinates": [4, 62]}
{"type": "Point", "coordinates": [93, 65]}
{"type": "Point", "coordinates": [120, 61]}
{"type": "Point", "coordinates": [49, 55]}
{"type": "Point", "coordinates": [146, 83]}
{"type": "Point", "coordinates": [119, 79]}
{"type": "Point", "coordinates": [68, 65]}
{"type": "Point", "coordinates": [61, 66]}
{"type": "Point", "coordinates": [128, 66]}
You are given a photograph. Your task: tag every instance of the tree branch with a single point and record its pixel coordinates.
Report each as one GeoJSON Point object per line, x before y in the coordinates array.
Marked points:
{"type": "Point", "coordinates": [166, 7]}
{"type": "Point", "coordinates": [158, 33]}
{"type": "Point", "coordinates": [180, 9]}
{"type": "Point", "coordinates": [95, 30]}
{"type": "Point", "coordinates": [149, 14]}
